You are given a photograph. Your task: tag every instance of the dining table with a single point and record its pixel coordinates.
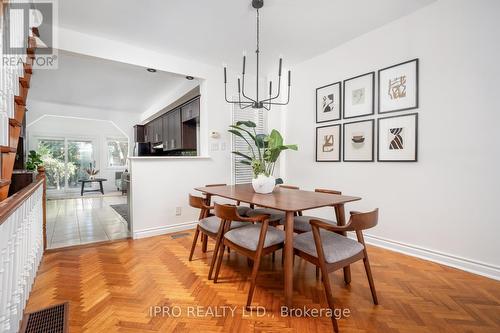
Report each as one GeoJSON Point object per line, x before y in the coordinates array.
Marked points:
{"type": "Point", "coordinates": [288, 201]}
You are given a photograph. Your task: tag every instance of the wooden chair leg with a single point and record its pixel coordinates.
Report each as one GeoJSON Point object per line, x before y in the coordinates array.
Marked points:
{"type": "Point", "coordinates": [196, 233]}
{"type": "Point", "coordinates": [329, 296]}
{"type": "Point", "coordinates": [205, 243]}
{"type": "Point", "coordinates": [218, 241]}
{"type": "Point", "coordinates": [219, 262]}
{"type": "Point", "coordinates": [370, 280]}
{"type": "Point", "coordinates": [253, 279]}
{"type": "Point", "coordinates": [274, 256]}
{"type": "Point", "coordinates": [317, 272]}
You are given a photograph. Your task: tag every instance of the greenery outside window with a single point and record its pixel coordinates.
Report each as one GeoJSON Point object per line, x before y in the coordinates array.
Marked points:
{"type": "Point", "coordinates": [117, 152]}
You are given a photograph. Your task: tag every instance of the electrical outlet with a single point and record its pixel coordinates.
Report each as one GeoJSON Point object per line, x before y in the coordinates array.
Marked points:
{"type": "Point", "coordinates": [215, 146]}
{"type": "Point", "coordinates": [178, 211]}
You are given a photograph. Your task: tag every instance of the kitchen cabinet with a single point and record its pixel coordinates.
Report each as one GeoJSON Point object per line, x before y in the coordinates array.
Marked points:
{"type": "Point", "coordinates": [148, 132]}
{"type": "Point", "coordinates": [172, 138]}
{"type": "Point", "coordinates": [191, 110]}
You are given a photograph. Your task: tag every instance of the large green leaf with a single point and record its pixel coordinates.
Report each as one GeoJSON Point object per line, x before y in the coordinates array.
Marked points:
{"type": "Point", "coordinates": [242, 155]}
{"type": "Point", "coordinates": [247, 123]}
{"type": "Point", "coordinates": [246, 131]}
{"type": "Point", "coordinates": [275, 140]}
{"type": "Point", "coordinates": [245, 162]}
{"type": "Point", "coordinates": [261, 140]}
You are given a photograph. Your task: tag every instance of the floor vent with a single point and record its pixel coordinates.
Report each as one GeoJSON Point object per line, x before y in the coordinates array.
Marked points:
{"type": "Point", "coordinates": [53, 319]}
{"type": "Point", "coordinates": [179, 235]}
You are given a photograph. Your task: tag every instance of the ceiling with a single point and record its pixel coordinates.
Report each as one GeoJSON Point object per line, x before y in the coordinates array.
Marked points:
{"type": "Point", "coordinates": [97, 83]}
{"type": "Point", "coordinates": [217, 32]}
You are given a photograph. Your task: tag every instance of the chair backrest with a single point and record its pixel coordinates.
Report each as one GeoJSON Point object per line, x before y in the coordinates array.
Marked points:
{"type": "Point", "coordinates": [322, 190]}
{"type": "Point", "coordinates": [227, 212]}
{"type": "Point", "coordinates": [290, 187]}
{"type": "Point", "coordinates": [362, 221]}
{"type": "Point", "coordinates": [197, 202]}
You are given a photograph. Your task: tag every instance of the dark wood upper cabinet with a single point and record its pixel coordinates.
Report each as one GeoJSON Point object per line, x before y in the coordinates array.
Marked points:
{"type": "Point", "coordinates": [176, 129]}
{"type": "Point", "coordinates": [172, 140]}
{"type": "Point", "coordinates": [191, 110]}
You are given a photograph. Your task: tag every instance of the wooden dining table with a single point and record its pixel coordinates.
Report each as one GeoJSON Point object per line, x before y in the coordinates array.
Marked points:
{"type": "Point", "coordinates": [288, 201]}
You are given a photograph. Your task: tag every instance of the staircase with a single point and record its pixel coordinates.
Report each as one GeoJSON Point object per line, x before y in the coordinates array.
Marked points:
{"type": "Point", "coordinates": [15, 119]}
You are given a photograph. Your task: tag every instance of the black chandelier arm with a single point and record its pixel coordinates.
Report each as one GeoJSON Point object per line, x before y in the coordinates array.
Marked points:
{"type": "Point", "coordinates": [243, 89]}
{"type": "Point", "coordinates": [277, 95]}
{"type": "Point", "coordinates": [284, 103]}
{"type": "Point", "coordinates": [246, 106]}
{"type": "Point", "coordinates": [234, 102]}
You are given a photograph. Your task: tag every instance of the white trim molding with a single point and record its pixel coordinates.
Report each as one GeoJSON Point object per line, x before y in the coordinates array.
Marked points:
{"type": "Point", "coordinates": [464, 264]}
{"type": "Point", "coordinates": [167, 229]}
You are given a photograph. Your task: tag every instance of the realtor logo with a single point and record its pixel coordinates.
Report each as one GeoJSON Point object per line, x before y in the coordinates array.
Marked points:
{"type": "Point", "coordinates": [24, 19]}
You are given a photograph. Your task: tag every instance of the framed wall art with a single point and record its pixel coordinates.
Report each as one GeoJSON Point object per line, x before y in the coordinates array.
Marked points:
{"type": "Point", "coordinates": [328, 102]}
{"type": "Point", "coordinates": [398, 138]}
{"type": "Point", "coordinates": [328, 143]}
{"type": "Point", "coordinates": [359, 96]}
{"type": "Point", "coordinates": [359, 141]}
{"type": "Point", "coordinates": [398, 87]}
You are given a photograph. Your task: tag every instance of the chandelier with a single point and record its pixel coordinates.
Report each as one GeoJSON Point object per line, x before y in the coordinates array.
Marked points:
{"type": "Point", "coordinates": [243, 100]}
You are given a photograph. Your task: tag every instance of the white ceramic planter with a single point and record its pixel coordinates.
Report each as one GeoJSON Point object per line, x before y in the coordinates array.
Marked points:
{"type": "Point", "coordinates": [263, 184]}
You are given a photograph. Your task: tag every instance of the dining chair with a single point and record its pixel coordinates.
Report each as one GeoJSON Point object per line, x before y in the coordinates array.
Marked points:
{"type": "Point", "coordinates": [209, 226]}
{"type": "Point", "coordinates": [324, 247]}
{"type": "Point", "coordinates": [243, 210]}
{"type": "Point", "coordinates": [253, 241]}
{"type": "Point", "coordinates": [275, 216]}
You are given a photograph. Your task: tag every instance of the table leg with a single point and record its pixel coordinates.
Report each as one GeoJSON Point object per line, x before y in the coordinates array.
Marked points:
{"type": "Point", "coordinates": [340, 213]}
{"type": "Point", "coordinates": [100, 185]}
{"type": "Point", "coordinates": [288, 251]}
{"type": "Point", "coordinates": [83, 184]}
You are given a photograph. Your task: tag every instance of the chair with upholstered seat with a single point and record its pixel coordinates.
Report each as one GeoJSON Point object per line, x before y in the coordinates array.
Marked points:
{"type": "Point", "coordinates": [324, 247]}
{"type": "Point", "coordinates": [209, 226]}
{"type": "Point", "coordinates": [253, 241]}
{"type": "Point", "coordinates": [243, 210]}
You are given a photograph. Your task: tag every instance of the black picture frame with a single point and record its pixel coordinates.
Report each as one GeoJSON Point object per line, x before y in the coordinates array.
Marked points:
{"type": "Point", "coordinates": [373, 96]}
{"type": "Point", "coordinates": [339, 145]}
{"type": "Point", "coordinates": [416, 137]}
{"type": "Point", "coordinates": [339, 83]}
{"type": "Point", "coordinates": [372, 121]}
{"type": "Point", "coordinates": [416, 86]}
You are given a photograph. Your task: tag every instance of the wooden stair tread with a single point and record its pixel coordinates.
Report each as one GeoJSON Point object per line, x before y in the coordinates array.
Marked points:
{"type": "Point", "coordinates": [24, 82]}
{"type": "Point", "coordinates": [36, 32]}
{"type": "Point", "coordinates": [19, 100]}
{"type": "Point", "coordinates": [14, 122]}
{"type": "Point", "coordinates": [6, 149]}
{"type": "Point", "coordinates": [4, 182]}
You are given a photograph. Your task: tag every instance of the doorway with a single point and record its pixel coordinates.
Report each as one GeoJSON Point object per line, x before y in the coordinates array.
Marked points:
{"type": "Point", "coordinates": [66, 161]}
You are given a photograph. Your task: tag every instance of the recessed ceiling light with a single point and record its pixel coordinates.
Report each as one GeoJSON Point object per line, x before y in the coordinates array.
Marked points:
{"type": "Point", "coordinates": [151, 70]}
{"type": "Point", "coordinates": [189, 77]}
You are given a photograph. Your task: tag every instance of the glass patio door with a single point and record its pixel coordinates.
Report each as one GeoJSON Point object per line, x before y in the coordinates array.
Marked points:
{"type": "Point", "coordinates": [66, 161]}
{"type": "Point", "coordinates": [80, 156]}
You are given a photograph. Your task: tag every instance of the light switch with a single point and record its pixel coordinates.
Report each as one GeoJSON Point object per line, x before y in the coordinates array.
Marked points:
{"type": "Point", "coordinates": [215, 146]}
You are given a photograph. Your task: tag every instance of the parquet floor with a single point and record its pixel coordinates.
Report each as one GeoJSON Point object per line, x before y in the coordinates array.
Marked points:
{"type": "Point", "coordinates": [112, 287]}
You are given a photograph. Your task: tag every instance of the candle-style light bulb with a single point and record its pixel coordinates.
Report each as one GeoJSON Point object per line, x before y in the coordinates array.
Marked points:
{"type": "Point", "coordinates": [279, 71]}
{"type": "Point", "coordinates": [270, 87]}
{"type": "Point", "coordinates": [239, 87]}
{"type": "Point", "coordinates": [244, 60]}
{"type": "Point", "coordinates": [289, 77]}
{"type": "Point", "coordinates": [225, 75]}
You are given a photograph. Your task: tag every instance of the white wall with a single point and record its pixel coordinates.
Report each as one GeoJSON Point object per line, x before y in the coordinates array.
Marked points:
{"type": "Point", "coordinates": [443, 206]}
{"type": "Point", "coordinates": [59, 121]}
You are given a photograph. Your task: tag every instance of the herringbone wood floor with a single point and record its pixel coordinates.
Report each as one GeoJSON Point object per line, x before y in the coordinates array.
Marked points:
{"type": "Point", "coordinates": [111, 288]}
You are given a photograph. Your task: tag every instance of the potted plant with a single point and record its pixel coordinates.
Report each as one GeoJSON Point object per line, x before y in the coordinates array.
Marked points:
{"type": "Point", "coordinates": [34, 161]}
{"type": "Point", "coordinates": [262, 154]}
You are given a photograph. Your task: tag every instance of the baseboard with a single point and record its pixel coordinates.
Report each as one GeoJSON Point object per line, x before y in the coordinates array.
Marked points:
{"type": "Point", "coordinates": [468, 265]}
{"type": "Point", "coordinates": [167, 229]}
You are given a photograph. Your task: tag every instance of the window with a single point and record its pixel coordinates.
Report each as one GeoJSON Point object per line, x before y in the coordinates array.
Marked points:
{"type": "Point", "coordinates": [242, 173]}
{"type": "Point", "coordinates": [117, 152]}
